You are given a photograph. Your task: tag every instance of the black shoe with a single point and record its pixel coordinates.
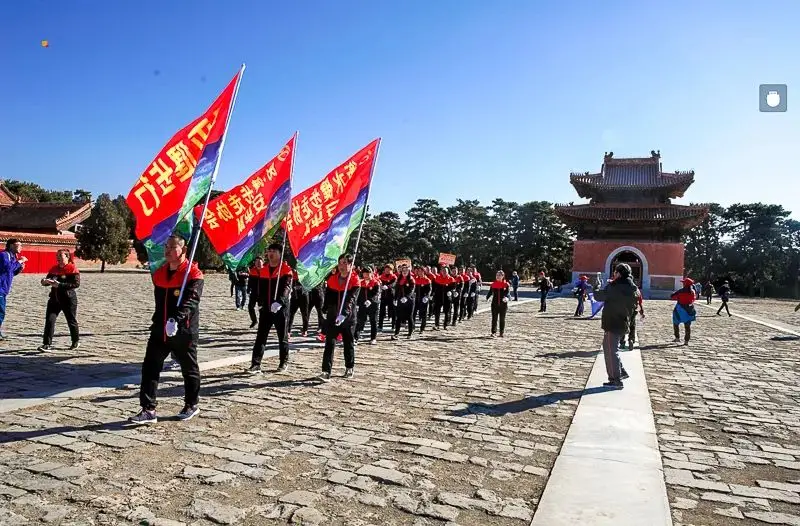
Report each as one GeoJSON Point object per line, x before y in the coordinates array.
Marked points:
{"type": "Point", "coordinates": [44, 348]}
{"type": "Point", "coordinates": [74, 346]}
{"type": "Point", "coordinates": [624, 375]}
{"type": "Point", "coordinates": [617, 384]}
{"type": "Point", "coordinates": [254, 369]}
{"type": "Point", "coordinates": [253, 324]}
{"type": "Point", "coordinates": [188, 412]}
{"type": "Point", "coordinates": [144, 417]}
{"type": "Point", "coordinates": [283, 367]}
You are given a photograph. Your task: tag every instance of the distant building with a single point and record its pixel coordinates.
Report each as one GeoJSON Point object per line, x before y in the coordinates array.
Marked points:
{"type": "Point", "coordinates": [43, 228]}
{"type": "Point", "coordinates": [630, 219]}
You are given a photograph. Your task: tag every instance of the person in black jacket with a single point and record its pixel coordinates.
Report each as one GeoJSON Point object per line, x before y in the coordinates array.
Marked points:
{"type": "Point", "coordinates": [369, 300]}
{"type": "Point", "coordinates": [725, 295]}
{"type": "Point", "coordinates": [316, 297]}
{"type": "Point", "coordinates": [404, 296]}
{"type": "Point", "coordinates": [621, 298]}
{"type": "Point", "coordinates": [470, 292]}
{"type": "Point", "coordinates": [240, 279]}
{"type": "Point", "coordinates": [443, 286]}
{"type": "Point", "coordinates": [422, 296]}
{"type": "Point", "coordinates": [341, 293]}
{"type": "Point", "coordinates": [276, 289]}
{"type": "Point", "coordinates": [62, 279]}
{"type": "Point", "coordinates": [175, 329]}
{"type": "Point", "coordinates": [545, 286]}
{"type": "Point", "coordinates": [254, 288]}
{"type": "Point", "coordinates": [388, 280]}
{"type": "Point", "coordinates": [299, 302]}
{"type": "Point", "coordinates": [499, 293]}
{"type": "Point", "coordinates": [458, 293]}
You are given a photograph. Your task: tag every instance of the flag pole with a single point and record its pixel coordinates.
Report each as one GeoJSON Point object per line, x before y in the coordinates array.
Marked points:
{"type": "Point", "coordinates": [283, 245]}
{"type": "Point", "coordinates": [211, 186]}
{"type": "Point", "coordinates": [361, 226]}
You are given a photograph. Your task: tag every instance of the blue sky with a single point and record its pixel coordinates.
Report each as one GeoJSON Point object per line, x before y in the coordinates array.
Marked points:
{"type": "Point", "coordinates": [473, 99]}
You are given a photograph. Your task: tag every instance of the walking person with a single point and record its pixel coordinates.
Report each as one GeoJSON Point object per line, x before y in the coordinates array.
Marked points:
{"type": "Point", "coordinates": [515, 284]}
{"type": "Point", "coordinates": [369, 301]}
{"type": "Point", "coordinates": [684, 311]}
{"type": "Point", "coordinates": [299, 302]}
{"type": "Point", "coordinates": [478, 287]}
{"type": "Point", "coordinates": [422, 297]}
{"type": "Point", "coordinates": [632, 326]}
{"type": "Point", "coordinates": [342, 292]}
{"type": "Point", "coordinates": [175, 329]}
{"type": "Point", "coordinates": [620, 297]}
{"type": "Point", "coordinates": [499, 293]}
{"type": "Point", "coordinates": [442, 297]}
{"type": "Point", "coordinates": [388, 280]}
{"type": "Point", "coordinates": [11, 264]}
{"type": "Point", "coordinates": [458, 293]}
{"type": "Point", "coordinates": [63, 280]}
{"type": "Point", "coordinates": [545, 285]}
{"type": "Point", "coordinates": [316, 297]}
{"type": "Point", "coordinates": [240, 279]}
{"type": "Point", "coordinates": [404, 296]}
{"type": "Point", "coordinates": [255, 276]}
{"type": "Point", "coordinates": [276, 289]}
{"type": "Point", "coordinates": [471, 292]}
{"type": "Point", "coordinates": [581, 292]}
{"type": "Point", "coordinates": [708, 291]}
{"type": "Point", "coordinates": [725, 295]}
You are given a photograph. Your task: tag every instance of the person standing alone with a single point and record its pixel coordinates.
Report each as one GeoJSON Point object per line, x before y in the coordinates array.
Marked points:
{"type": "Point", "coordinates": [11, 264]}
{"type": "Point", "coordinates": [620, 298]}
{"type": "Point", "coordinates": [684, 311]}
{"type": "Point", "coordinates": [725, 295]}
{"type": "Point", "coordinates": [544, 288]}
{"type": "Point", "coordinates": [515, 284]}
{"type": "Point", "coordinates": [63, 280]}
{"type": "Point", "coordinates": [498, 293]}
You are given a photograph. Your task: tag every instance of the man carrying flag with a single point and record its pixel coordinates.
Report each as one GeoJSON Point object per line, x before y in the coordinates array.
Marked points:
{"type": "Point", "coordinates": [276, 289]}
{"type": "Point", "coordinates": [340, 316]}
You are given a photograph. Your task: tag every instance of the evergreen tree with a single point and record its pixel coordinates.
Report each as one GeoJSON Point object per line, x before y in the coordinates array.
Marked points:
{"type": "Point", "coordinates": [105, 235]}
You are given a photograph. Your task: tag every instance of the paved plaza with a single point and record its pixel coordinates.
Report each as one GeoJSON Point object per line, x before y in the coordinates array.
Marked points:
{"type": "Point", "coordinates": [448, 428]}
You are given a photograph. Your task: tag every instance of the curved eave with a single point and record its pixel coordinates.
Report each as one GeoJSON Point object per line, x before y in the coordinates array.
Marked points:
{"type": "Point", "coordinates": [592, 186]}
{"type": "Point", "coordinates": [583, 214]}
{"type": "Point", "coordinates": [68, 221]}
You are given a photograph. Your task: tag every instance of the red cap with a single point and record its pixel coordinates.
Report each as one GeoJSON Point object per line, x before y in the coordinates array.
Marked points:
{"type": "Point", "coordinates": [687, 281]}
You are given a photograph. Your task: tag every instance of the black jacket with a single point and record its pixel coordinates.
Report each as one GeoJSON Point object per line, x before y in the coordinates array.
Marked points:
{"type": "Point", "coordinates": [167, 287]}
{"type": "Point", "coordinates": [370, 290]}
{"type": "Point", "coordinates": [621, 297]}
{"type": "Point", "coordinates": [335, 292]}
{"type": "Point", "coordinates": [69, 279]}
{"type": "Point", "coordinates": [272, 278]}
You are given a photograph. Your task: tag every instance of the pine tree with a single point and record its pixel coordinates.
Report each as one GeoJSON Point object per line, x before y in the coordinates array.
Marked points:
{"type": "Point", "coordinates": [105, 235]}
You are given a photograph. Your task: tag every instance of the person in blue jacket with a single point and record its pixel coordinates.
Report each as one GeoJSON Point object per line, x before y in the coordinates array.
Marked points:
{"type": "Point", "coordinates": [11, 264]}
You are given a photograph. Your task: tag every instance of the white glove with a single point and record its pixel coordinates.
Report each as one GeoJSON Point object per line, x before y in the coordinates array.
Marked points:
{"type": "Point", "coordinates": [449, 294]}
{"type": "Point", "coordinates": [425, 299]}
{"type": "Point", "coordinates": [367, 303]}
{"type": "Point", "coordinates": [403, 300]}
{"type": "Point", "coordinates": [455, 294]}
{"type": "Point", "coordinates": [171, 328]}
{"type": "Point", "coordinates": [394, 303]}
{"type": "Point", "coordinates": [505, 300]}
{"type": "Point", "coordinates": [275, 307]}
{"type": "Point", "coordinates": [339, 319]}
{"type": "Point", "coordinates": [385, 287]}
{"type": "Point", "coordinates": [471, 294]}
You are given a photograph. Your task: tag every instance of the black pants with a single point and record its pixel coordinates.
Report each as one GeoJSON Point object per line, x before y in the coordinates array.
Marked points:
{"type": "Point", "coordinates": [708, 299]}
{"type": "Point", "coordinates": [631, 332]}
{"type": "Point", "coordinates": [404, 313]}
{"type": "Point", "coordinates": [724, 306]}
{"type": "Point", "coordinates": [332, 331]}
{"type": "Point", "coordinates": [462, 310]}
{"type": "Point", "coordinates": [688, 326]}
{"type": "Point", "coordinates": [315, 302]}
{"type": "Point", "coordinates": [471, 306]}
{"type": "Point", "coordinates": [437, 312]}
{"type": "Point", "coordinates": [543, 300]}
{"type": "Point", "coordinates": [367, 313]}
{"type": "Point", "coordinates": [455, 304]}
{"type": "Point", "coordinates": [299, 302]}
{"type": "Point", "coordinates": [499, 314]}
{"type": "Point", "coordinates": [54, 307]}
{"type": "Point", "coordinates": [184, 348]}
{"type": "Point", "coordinates": [516, 296]}
{"type": "Point", "coordinates": [269, 319]}
{"type": "Point", "coordinates": [387, 309]}
{"type": "Point", "coordinates": [251, 307]}
{"type": "Point", "coordinates": [422, 314]}
{"type": "Point", "coordinates": [579, 308]}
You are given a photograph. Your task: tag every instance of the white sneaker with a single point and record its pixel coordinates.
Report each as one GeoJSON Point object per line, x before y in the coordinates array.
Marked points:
{"type": "Point", "coordinates": [348, 373]}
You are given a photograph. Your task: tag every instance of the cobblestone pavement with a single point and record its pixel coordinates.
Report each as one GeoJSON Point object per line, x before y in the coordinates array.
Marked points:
{"type": "Point", "coordinates": [727, 413]}
{"type": "Point", "coordinates": [771, 311]}
{"type": "Point", "coordinates": [451, 427]}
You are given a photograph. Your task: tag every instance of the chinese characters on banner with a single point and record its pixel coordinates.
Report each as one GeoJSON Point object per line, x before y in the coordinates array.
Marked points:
{"type": "Point", "coordinates": [161, 190]}
{"type": "Point", "coordinates": [232, 216]}
{"type": "Point", "coordinates": [313, 210]}
{"type": "Point", "coordinates": [447, 259]}
{"type": "Point", "coordinates": [402, 262]}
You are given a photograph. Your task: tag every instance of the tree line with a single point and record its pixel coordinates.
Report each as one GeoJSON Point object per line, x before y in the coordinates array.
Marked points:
{"type": "Point", "coordinates": [755, 246]}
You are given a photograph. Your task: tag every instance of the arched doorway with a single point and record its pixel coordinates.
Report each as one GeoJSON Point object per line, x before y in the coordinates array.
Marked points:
{"type": "Point", "coordinates": [633, 260]}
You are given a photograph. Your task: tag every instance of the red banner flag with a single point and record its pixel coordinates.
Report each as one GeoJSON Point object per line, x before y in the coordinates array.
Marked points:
{"type": "Point", "coordinates": [161, 190]}
{"type": "Point", "coordinates": [236, 220]}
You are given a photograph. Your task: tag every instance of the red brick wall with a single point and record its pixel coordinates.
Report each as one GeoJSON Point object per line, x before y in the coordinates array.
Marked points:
{"type": "Point", "coordinates": [41, 258]}
{"type": "Point", "coordinates": [662, 258]}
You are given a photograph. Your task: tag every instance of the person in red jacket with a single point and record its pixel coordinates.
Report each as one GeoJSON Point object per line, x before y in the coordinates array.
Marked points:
{"type": "Point", "coordinates": [684, 311]}
{"type": "Point", "coordinates": [422, 296]}
{"type": "Point", "coordinates": [341, 293]}
{"type": "Point", "coordinates": [256, 274]}
{"type": "Point", "coordinates": [388, 280]}
{"type": "Point", "coordinates": [499, 292]}
{"type": "Point", "coordinates": [175, 329]}
{"type": "Point", "coordinates": [404, 290]}
{"type": "Point", "coordinates": [63, 279]}
{"type": "Point", "coordinates": [369, 301]}
{"type": "Point", "coordinates": [276, 289]}
{"type": "Point", "coordinates": [443, 287]}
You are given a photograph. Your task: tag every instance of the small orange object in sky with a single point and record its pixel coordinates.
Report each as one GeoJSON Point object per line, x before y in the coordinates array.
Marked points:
{"type": "Point", "coordinates": [45, 43]}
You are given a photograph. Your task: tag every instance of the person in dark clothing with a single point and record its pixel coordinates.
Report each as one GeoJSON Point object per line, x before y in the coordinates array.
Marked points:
{"type": "Point", "coordinates": [241, 277]}
{"type": "Point", "coordinates": [478, 287]}
{"type": "Point", "coordinates": [470, 292]}
{"type": "Point", "coordinates": [11, 264]}
{"type": "Point", "coordinates": [581, 292]}
{"type": "Point", "coordinates": [316, 297]}
{"type": "Point", "coordinates": [256, 274]}
{"type": "Point", "coordinates": [545, 285]}
{"type": "Point", "coordinates": [708, 291]}
{"type": "Point", "coordinates": [443, 287]}
{"type": "Point", "coordinates": [404, 296]}
{"type": "Point", "coordinates": [388, 280]}
{"type": "Point", "coordinates": [62, 279]}
{"type": "Point", "coordinates": [632, 327]}
{"type": "Point", "coordinates": [422, 296]}
{"type": "Point", "coordinates": [175, 329]}
{"type": "Point", "coordinates": [369, 301]}
{"type": "Point", "coordinates": [684, 311]}
{"type": "Point", "coordinates": [620, 297]}
{"type": "Point", "coordinates": [515, 284]}
{"type": "Point", "coordinates": [458, 293]}
{"type": "Point", "coordinates": [498, 293]}
{"type": "Point", "coordinates": [299, 302]}
{"type": "Point", "coordinates": [341, 294]}
{"type": "Point", "coordinates": [725, 295]}
{"type": "Point", "coordinates": [232, 279]}
{"type": "Point", "coordinates": [276, 288]}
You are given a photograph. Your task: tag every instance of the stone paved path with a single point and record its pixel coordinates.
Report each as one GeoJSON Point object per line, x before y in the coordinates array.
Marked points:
{"type": "Point", "coordinates": [450, 428]}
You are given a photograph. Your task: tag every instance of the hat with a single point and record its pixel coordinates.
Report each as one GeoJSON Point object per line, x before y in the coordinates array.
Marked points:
{"type": "Point", "coordinates": [275, 246]}
{"type": "Point", "coordinates": [584, 278]}
{"type": "Point", "coordinates": [687, 281]}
